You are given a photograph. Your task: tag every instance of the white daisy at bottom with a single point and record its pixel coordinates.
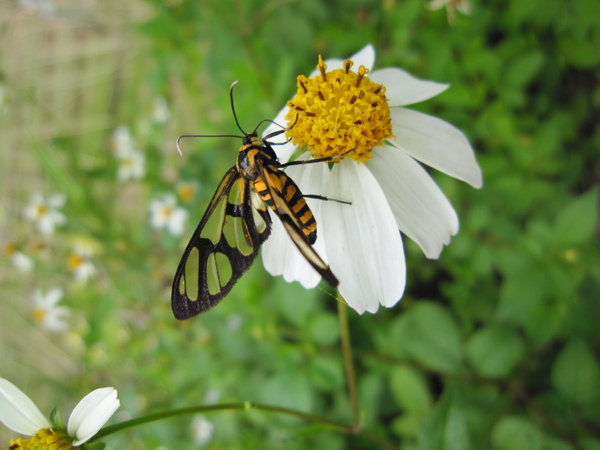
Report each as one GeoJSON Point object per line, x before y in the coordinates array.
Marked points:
{"type": "Point", "coordinates": [19, 413]}
{"type": "Point", "coordinates": [339, 110]}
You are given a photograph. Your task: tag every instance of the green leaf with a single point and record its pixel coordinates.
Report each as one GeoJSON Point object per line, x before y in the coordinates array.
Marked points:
{"type": "Point", "coordinates": [324, 329]}
{"type": "Point", "coordinates": [294, 302]}
{"type": "Point", "coordinates": [446, 426]}
{"type": "Point", "coordinates": [576, 373]}
{"type": "Point", "coordinates": [326, 372]}
{"type": "Point", "coordinates": [428, 334]}
{"type": "Point", "coordinates": [407, 424]}
{"type": "Point", "coordinates": [524, 68]}
{"type": "Point", "coordinates": [576, 223]}
{"type": "Point", "coordinates": [521, 293]}
{"type": "Point", "coordinates": [290, 390]}
{"type": "Point", "coordinates": [516, 433]}
{"type": "Point", "coordinates": [410, 390]}
{"type": "Point", "coordinates": [495, 350]}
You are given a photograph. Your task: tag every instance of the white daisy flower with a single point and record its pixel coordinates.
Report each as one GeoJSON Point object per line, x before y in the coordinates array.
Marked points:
{"type": "Point", "coordinates": [132, 162]}
{"type": "Point", "coordinates": [44, 212]}
{"type": "Point", "coordinates": [48, 313]}
{"type": "Point", "coordinates": [452, 6]}
{"type": "Point", "coordinates": [132, 166]}
{"type": "Point", "coordinates": [339, 110]}
{"type": "Point", "coordinates": [202, 430]}
{"type": "Point", "coordinates": [19, 413]}
{"type": "Point", "coordinates": [164, 213]}
{"type": "Point", "coordinates": [80, 264]}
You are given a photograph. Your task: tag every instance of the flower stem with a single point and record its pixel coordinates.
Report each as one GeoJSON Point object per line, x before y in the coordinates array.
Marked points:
{"type": "Point", "coordinates": [337, 426]}
{"type": "Point", "coordinates": [349, 364]}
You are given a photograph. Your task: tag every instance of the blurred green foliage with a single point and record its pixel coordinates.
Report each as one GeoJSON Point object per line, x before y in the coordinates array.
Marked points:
{"type": "Point", "coordinates": [495, 345]}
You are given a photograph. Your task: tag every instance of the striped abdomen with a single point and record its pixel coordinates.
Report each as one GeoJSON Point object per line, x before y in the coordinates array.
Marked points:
{"type": "Point", "coordinates": [289, 193]}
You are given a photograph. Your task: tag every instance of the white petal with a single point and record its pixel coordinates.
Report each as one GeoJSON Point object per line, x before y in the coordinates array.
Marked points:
{"type": "Point", "coordinates": [56, 319]}
{"type": "Point", "coordinates": [436, 143]}
{"type": "Point", "coordinates": [58, 218]}
{"type": "Point", "coordinates": [177, 221]}
{"type": "Point", "coordinates": [52, 298]}
{"type": "Point", "coordinates": [18, 412]}
{"type": "Point", "coordinates": [22, 262]}
{"type": "Point", "coordinates": [437, 4]}
{"type": "Point", "coordinates": [45, 225]}
{"type": "Point", "coordinates": [401, 88]}
{"type": "Point", "coordinates": [57, 200]}
{"type": "Point", "coordinates": [91, 413]}
{"type": "Point", "coordinates": [280, 255]}
{"type": "Point", "coordinates": [422, 211]}
{"type": "Point", "coordinates": [364, 57]}
{"type": "Point", "coordinates": [363, 242]}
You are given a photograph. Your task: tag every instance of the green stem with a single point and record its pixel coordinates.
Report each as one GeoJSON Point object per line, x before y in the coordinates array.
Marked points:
{"type": "Point", "coordinates": [349, 363]}
{"type": "Point", "coordinates": [338, 426]}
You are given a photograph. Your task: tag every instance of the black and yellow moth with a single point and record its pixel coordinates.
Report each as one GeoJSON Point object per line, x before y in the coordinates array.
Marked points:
{"type": "Point", "coordinates": [237, 222]}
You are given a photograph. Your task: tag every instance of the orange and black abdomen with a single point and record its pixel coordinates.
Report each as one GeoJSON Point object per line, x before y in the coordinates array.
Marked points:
{"type": "Point", "coordinates": [289, 193]}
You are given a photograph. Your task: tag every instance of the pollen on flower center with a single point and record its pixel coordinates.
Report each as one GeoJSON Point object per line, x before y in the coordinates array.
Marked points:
{"type": "Point", "coordinates": [45, 439]}
{"type": "Point", "coordinates": [338, 111]}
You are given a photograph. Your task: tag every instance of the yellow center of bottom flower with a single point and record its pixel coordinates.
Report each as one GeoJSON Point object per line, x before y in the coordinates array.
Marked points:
{"type": "Point", "coordinates": [338, 111]}
{"type": "Point", "coordinates": [45, 439]}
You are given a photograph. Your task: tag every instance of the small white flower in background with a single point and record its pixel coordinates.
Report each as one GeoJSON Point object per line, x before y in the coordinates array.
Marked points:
{"type": "Point", "coordinates": [452, 6]}
{"type": "Point", "coordinates": [80, 264]}
{"type": "Point", "coordinates": [164, 213]}
{"type": "Point", "coordinates": [131, 166]}
{"type": "Point", "coordinates": [160, 110]}
{"type": "Point", "coordinates": [202, 430]}
{"type": "Point", "coordinates": [44, 212]}
{"type": "Point", "coordinates": [339, 110]}
{"type": "Point", "coordinates": [132, 162]}
{"type": "Point", "coordinates": [18, 259]}
{"type": "Point", "coordinates": [21, 415]}
{"type": "Point", "coordinates": [48, 313]}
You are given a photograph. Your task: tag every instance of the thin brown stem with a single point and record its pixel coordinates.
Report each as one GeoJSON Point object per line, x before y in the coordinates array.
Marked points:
{"type": "Point", "coordinates": [349, 363]}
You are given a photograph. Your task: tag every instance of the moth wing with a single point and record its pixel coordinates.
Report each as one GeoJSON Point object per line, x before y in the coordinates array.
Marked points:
{"type": "Point", "coordinates": [223, 247]}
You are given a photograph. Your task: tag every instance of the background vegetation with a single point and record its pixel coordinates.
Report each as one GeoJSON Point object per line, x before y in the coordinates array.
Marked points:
{"type": "Point", "coordinates": [495, 345]}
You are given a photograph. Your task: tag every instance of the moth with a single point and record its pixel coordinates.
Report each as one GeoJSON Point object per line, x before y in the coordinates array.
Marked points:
{"type": "Point", "coordinates": [237, 222]}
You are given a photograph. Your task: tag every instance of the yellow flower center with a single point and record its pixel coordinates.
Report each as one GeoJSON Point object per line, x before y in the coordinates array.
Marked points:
{"type": "Point", "coordinates": [74, 262]}
{"type": "Point", "coordinates": [186, 191]}
{"type": "Point", "coordinates": [39, 315]}
{"type": "Point", "coordinates": [41, 210]}
{"type": "Point", "coordinates": [338, 111]}
{"type": "Point", "coordinates": [45, 439]}
{"type": "Point", "coordinates": [166, 212]}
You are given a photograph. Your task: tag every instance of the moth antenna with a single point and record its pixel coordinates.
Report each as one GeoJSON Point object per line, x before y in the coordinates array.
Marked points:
{"type": "Point", "coordinates": [233, 106]}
